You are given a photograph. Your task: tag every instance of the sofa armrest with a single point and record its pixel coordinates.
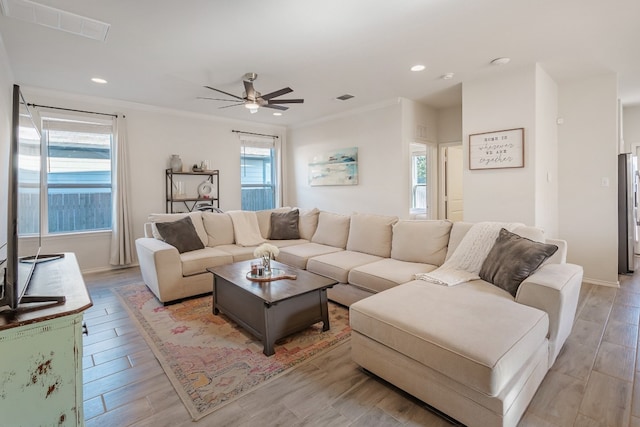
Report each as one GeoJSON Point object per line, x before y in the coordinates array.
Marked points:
{"type": "Point", "coordinates": [554, 288]}
{"type": "Point", "coordinates": [148, 229]}
{"type": "Point", "coordinates": [160, 265]}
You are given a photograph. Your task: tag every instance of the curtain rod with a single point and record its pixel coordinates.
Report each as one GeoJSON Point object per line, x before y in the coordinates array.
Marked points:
{"type": "Point", "coordinates": [75, 111]}
{"type": "Point", "coordinates": [252, 133]}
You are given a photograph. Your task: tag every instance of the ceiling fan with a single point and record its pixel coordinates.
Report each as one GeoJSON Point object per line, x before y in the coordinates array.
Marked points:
{"type": "Point", "coordinates": [253, 100]}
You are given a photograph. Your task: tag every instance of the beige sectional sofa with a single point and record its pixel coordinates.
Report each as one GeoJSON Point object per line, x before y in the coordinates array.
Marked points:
{"type": "Point", "coordinates": [474, 351]}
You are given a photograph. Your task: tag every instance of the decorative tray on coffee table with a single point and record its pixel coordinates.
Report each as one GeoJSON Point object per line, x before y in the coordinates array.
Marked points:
{"type": "Point", "coordinates": [274, 274]}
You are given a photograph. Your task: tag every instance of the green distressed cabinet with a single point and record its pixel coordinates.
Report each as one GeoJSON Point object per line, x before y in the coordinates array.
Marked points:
{"type": "Point", "coordinates": [41, 351]}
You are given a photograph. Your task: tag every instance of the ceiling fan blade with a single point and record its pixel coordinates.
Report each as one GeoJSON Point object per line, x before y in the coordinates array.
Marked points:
{"type": "Point", "coordinates": [250, 91]}
{"type": "Point", "coordinates": [277, 93]}
{"type": "Point", "coordinates": [232, 105]}
{"type": "Point", "coordinates": [217, 99]}
{"type": "Point", "coordinates": [276, 107]}
{"type": "Point", "coordinates": [226, 93]}
{"type": "Point", "coordinates": [286, 101]}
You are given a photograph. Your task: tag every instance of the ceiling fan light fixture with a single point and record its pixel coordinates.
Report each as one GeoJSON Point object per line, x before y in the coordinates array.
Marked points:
{"type": "Point", "coordinates": [252, 106]}
{"type": "Point", "coordinates": [252, 99]}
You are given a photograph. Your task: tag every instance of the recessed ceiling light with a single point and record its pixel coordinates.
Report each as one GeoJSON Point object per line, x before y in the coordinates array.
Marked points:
{"type": "Point", "coordinates": [99, 80]}
{"type": "Point", "coordinates": [418, 67]}
{"type": "Point", "coordinates": [277, 114]}
{"type": "Point", "coordinates": [447, 76]}
{"type": "Point", "coordinates": [500, 61]}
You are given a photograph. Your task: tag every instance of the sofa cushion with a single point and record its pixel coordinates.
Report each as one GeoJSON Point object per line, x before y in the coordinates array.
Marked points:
{"type": "Point", "coordinates": [289, 242]}
{"type": "Point", "coordinates": [197, 262]}
{"type": "Point", "coordinates": [196, 218]}
{"type": "Point", "coordinates": [332, 230]}
{"type": "Point", "coordinates": [284, 225]}
{"type": "Point", "coordinates": [386, 273]}
{"type": "Point", "coordinates": [473, 333]}
{"type": "Point", "coordinates": [298, 255]}
{"type": "Point", "coordinates": [239, 253]}
{"type": "Point", "coordinates": [219, 228]}
{"type": "Point", "coordinates": [180, 234]}
{"type": "Point", "coordinates": [371, 234]}
{"type": "Point", "coordinates": [308, 223]}
{"type": "Point", "coordinates": [337, 265]}
{"type": "Point", "coordinates": [532, 233]}
{"type": "Point", "coordinates": [421, 241]}
{"type": "Point", "coordinates": [512, 259]}
{"type": "Point", "coordinates": [264, 220]}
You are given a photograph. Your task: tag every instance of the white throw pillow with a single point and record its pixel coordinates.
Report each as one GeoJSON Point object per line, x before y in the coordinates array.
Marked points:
{"type": "Point", "coordinates": [308, 222]}
{"type": "Point", "coordinates": [423, 241]}
{"type": "Point", "coordinates": [219, 228]}
{"type": "Point", "coordinates": [371, 234]}
{"type": "Point", "coordinates": [333, 230]}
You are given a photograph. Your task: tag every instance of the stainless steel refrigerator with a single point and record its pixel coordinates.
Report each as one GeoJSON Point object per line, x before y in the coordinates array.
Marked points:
{"type": "Point", "coordinates": [627, 211]}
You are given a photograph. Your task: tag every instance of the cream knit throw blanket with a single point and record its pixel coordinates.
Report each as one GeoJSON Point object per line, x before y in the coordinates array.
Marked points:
{"type": "Point", "coordinates": [245, 228]}
{"type": "Point", "coordinates": [465, 262]}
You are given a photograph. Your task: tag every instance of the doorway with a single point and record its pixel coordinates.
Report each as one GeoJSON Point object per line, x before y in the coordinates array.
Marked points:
{"type": "Point", "coordinates": [451, 167]}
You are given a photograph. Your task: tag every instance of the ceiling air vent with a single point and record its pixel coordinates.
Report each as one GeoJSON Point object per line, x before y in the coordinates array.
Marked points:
{"type": "Point", "coordinates": [344, 97]}
{"type": "Point", "coordinates": [57, 19]}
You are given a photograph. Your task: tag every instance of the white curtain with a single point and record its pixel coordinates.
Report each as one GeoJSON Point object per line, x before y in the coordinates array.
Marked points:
{"type": "Point", "coordinates": [122, 243]}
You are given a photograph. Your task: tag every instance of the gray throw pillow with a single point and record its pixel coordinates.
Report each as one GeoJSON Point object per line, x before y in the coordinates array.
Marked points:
{"type": "Point", "coordinates": [181, 234]}
{"type": "Point", "coordinates": [284, 225]}
{"type": "Point", "coordinates": [512, 259]}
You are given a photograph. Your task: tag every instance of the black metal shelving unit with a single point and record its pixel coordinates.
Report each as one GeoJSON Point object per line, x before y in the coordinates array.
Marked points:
{"type": "Point", "coordinates": [191, 203]}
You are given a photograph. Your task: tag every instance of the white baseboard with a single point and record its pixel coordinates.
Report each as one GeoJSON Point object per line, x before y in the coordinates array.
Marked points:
{"type": "Point", "coordinates": [601, 282]}
{"type": "Point", "coordinates": [107, 268]}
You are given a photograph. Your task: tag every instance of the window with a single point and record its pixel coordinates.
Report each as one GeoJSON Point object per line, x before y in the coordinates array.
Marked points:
{"type": "Point", "coordinates": [258, 173]}
{"type": "Point", "coordinates": [418, 178]}
{"type": "Point", "coordinates": [78, 174]}
{"type": "Point", "coordinates": [29, 162]}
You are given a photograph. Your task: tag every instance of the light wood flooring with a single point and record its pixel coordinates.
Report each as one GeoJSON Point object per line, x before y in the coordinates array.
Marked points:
{"type": "Point", "coordinates": [593, 382]}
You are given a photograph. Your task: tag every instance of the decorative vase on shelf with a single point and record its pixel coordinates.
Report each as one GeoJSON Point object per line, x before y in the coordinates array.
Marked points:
{"type": "Point", "coordinates": [175, 163]}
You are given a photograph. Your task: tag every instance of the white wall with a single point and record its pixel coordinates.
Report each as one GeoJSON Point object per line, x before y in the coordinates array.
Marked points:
{"type": "Point", "coordinates": [546, 154]}
{"type": "Point", "coordinates": [382, 162]}
{"type": "Point", "coordinates": [503, 101]}
{"type": "Point", "coordinates": [631, 123]}
{"type": "Point", "coordinates": [588, 149]}
{"type": "Point", "coordinates": [153, 135]}
{"type": "Point", "coordinates": [6, 102]}
{"type": "Point", "coordinates": [450, 124]}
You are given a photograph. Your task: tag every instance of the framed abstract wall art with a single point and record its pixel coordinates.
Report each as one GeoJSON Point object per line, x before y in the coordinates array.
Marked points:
{"type": "Point", "coordinates": [335, 167]}
{"type": "Point", "coordinates": [497, 150]}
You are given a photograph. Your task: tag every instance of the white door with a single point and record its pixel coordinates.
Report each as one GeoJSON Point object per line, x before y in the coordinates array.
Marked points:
{"type": "Point", "coordinates": [453, 183]}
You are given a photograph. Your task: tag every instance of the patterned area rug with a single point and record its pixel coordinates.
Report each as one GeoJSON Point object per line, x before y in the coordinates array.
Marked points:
{"type": "Point", "coordinates": [212, 361]}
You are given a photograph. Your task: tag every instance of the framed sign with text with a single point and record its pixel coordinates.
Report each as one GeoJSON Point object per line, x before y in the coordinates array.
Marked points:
{"type": "Point", "coordinates": [497, 150]}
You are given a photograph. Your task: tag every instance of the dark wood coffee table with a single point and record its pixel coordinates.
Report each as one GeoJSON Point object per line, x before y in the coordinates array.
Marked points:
{"type": "Point", "coordinates": [271, 310]}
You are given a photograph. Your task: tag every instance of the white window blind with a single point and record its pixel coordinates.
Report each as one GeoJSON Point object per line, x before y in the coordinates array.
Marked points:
{"type": "Point", "coordinates": [76, 123]}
